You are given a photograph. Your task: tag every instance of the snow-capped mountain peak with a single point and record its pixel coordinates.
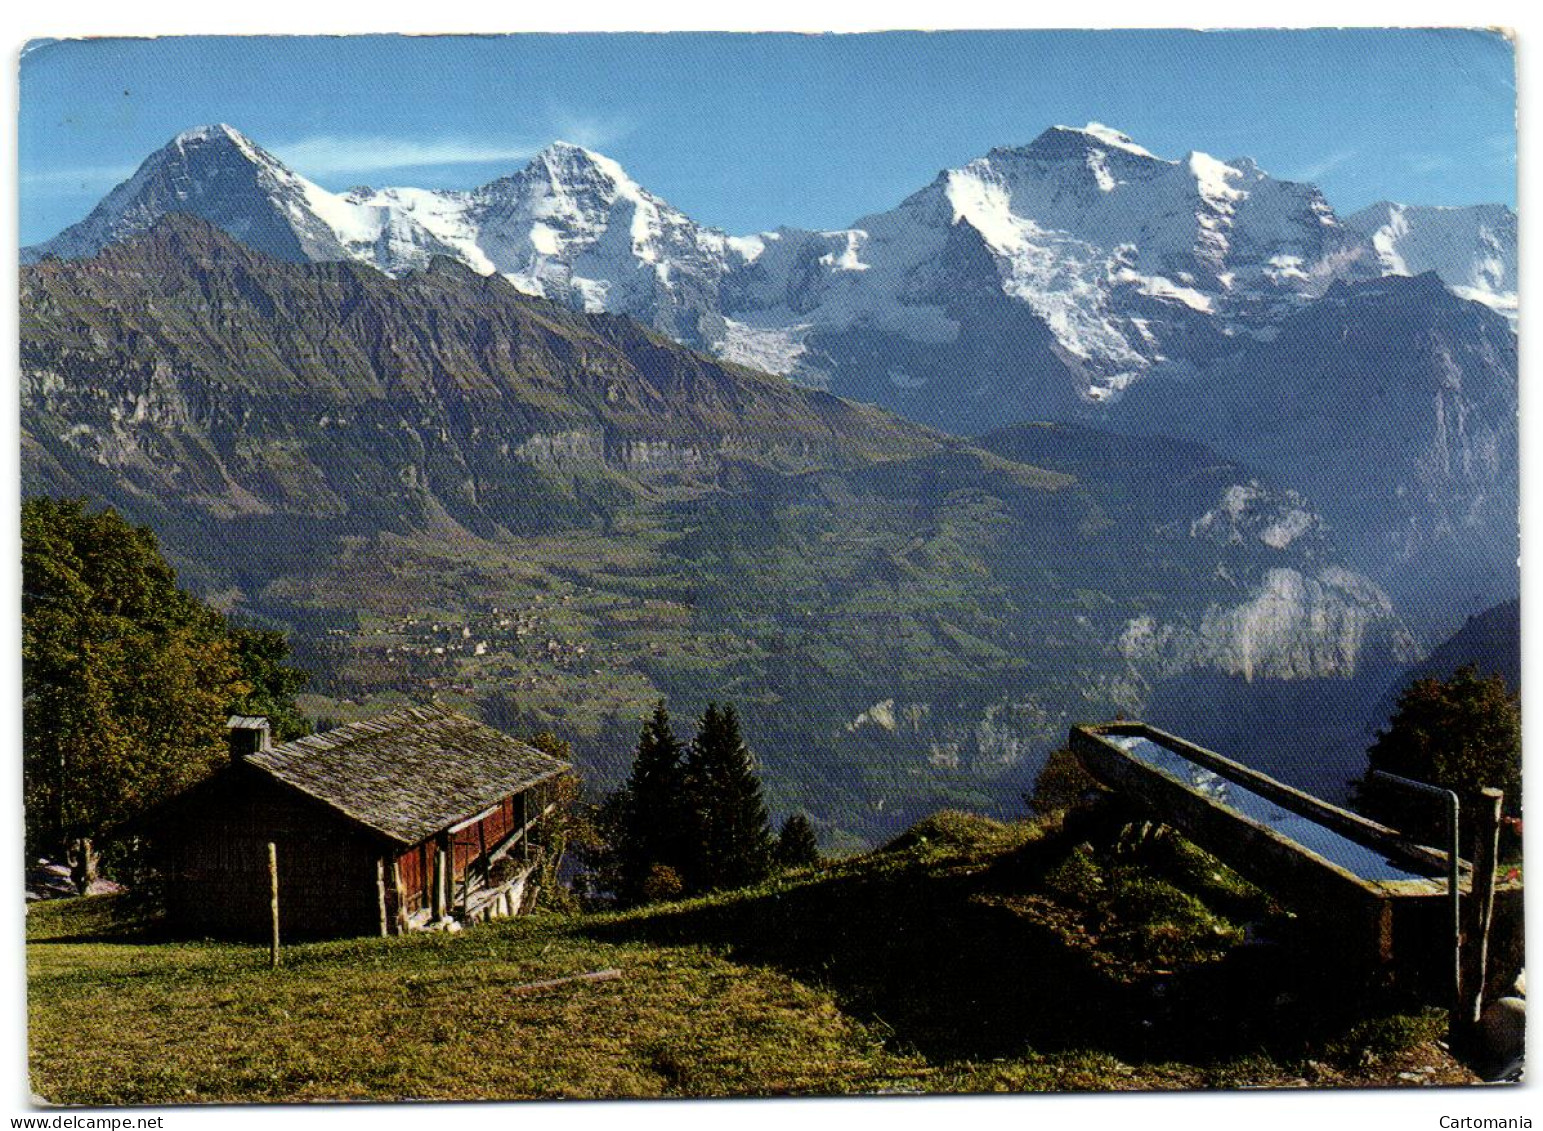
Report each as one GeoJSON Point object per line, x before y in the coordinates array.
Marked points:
{"type": "Point", "coordinates": [1472, 249]}
{"type": "Point", "coordinates": [218, 173]}
{"type": "Point", "coordinates": [567, 170]}
{"type": "Point", "coordinates": [1112, 259]}
{"type": "Point", "coordinates": [1123, 253]}
{"type": "Point", "coordinates": [571, 186]}
{"type": "Point", "coordinates": [573, 226]}
{"type": "Point", "coordinates": [562, 158]}
{"type": "Point", "coordinates": [1111, 137]}
{"type": "Point", "coordinates": [218, 132]}
{"type": "Point", "coordinates": [1073, 143]}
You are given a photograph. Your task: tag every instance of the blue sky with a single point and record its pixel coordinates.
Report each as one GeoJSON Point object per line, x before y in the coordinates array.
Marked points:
{"type": "Point", "coordinates": [750, 131]}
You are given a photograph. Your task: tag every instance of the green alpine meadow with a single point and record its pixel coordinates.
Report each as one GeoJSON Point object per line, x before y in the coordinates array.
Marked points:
{"type": "Point", "coordinates": [1048, 967]}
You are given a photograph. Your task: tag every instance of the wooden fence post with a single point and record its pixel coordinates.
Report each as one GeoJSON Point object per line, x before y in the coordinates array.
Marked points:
{"type": "Point", "coordinates": [1481, 893]}
{"type": "Point", "coordinates": [273, 901]}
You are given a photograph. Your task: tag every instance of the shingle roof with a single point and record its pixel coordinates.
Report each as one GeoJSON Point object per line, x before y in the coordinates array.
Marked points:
{"type": "Point", "coordinates": [410, 773]}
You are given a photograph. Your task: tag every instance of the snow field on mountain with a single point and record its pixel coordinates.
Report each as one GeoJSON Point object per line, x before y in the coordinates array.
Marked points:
{"type": "Point", "coordinates": [1121, 254]}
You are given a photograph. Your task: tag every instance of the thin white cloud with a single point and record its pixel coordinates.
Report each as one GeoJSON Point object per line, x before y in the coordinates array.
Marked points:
{"type": "Point", "coordinates": [590, 132]}
{"type": "Point", "coordinates": [327, 155]}
{"type": "Point", "coordinates": [1430, 162]}
{"type": "Point", "coordinates": [1503, 146]}
{"type": "Point", "coordinates": [85, 177]}
{"type": "Point", "coordinates": [322, 155]}
{"type": "Point", "coordinates": [1327, 165]}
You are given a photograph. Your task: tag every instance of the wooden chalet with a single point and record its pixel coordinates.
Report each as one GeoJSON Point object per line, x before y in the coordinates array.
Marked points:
{"type": "Point", "coordinates": [416, 819]}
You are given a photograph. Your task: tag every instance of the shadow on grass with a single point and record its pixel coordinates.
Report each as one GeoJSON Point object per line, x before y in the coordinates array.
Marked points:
{"type": "Point", "coordinates": [946, 959]}
{"type": "Point", "coordinates": [912, 954]}
{"type": "Point", "coordinates": [125, 918]}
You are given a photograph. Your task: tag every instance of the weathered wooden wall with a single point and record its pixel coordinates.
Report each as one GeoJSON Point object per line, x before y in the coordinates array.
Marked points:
{"type": "Point", "coordinates": [214, 857]}
{"type": "Point", "coordinates": [416, 869]}
{"type": "Point", "coordinates": [335, 878]}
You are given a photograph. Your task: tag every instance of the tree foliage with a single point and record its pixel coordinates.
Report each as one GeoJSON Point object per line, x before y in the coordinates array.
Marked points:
{"type": "Point", "coordinates": [796, 843]}
{"type": "Point", "coordinates": [653, 817]}
{"type": "Point", "coordinates": [689, 819]}
{"type": "Point", "coordinates": [549, 744]}
{"type": "Point", "coordinates": [1462, 733]}
{"type": "Point", "coordinates": [663, 883]}
{"type": "Point", "coordinates": [126, 679]}
{"type": "Point", "coordinates": [260, 653]}
{"type": "Point", "coordinates": [731, 837]}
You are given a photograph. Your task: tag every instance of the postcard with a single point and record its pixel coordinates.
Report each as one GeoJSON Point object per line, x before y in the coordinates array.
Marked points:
{"type": "Point", "coordinates": [626, 566]}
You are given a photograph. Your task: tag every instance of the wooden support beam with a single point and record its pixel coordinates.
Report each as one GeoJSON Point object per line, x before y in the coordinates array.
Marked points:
{"type": "Point", "coordinates": [491, 809]}
{"type": "Point", "coordinates": [441, 892]}
{"type": "Point", "coordinates": [480, 817]}
{"type": "Point", "coordinates": [380, 895]}
{"type": "Point", "coordinates": [273, 902]}
{"type": "Point", "coordinates": [401, 897]}
{"type": "Point", "coordinates": [517, 837]}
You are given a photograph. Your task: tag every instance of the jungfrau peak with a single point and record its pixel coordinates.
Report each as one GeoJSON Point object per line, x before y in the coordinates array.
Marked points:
{"type": "Point", "coordinates": [1122, 253]}
{"type": "Point", "coordinates": [1112, 261]}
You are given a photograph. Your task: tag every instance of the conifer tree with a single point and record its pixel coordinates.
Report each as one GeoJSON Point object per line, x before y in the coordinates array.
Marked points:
{"type": "Point", "coordinates": [732, 844]}
{"type": "Point", "coordinates": [652, 813]}
{"type": "Point", "coordinates": [796, 843]}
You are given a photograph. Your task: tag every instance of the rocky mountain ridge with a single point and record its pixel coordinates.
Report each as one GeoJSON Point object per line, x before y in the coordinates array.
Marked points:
{"type": "Point", "coordinates": [1055, 273]}
{"type": "Point", "coordinates": [1393, 405]}
{"type": "Point", "coordinates": [438, 381]}
{"type": "Point", "coordinates": [338, 451]}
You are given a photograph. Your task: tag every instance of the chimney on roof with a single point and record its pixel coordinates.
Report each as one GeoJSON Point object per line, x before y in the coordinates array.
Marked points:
{"type": "Point", "coordinates": [247, 734]}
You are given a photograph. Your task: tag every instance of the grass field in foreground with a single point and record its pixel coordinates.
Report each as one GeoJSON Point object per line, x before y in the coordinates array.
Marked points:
{"type": "Point", "coordinates": [970, 956]}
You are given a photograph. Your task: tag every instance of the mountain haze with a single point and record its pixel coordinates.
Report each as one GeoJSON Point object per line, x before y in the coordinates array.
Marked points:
{"type": "Point", "coordinates": [1393, 404]}
{"type": "Point", "coordinates": [447, 487]}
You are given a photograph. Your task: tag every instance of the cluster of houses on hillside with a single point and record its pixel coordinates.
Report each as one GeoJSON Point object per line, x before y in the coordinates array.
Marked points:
{"type": "Point", "coordinates": [543, 643]}
{"type": "Point", "coordinates": [450, 654]}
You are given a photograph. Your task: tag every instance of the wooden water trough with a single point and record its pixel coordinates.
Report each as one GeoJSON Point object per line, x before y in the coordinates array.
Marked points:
{"type": "Point", "coordinates": [1384, 898]}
